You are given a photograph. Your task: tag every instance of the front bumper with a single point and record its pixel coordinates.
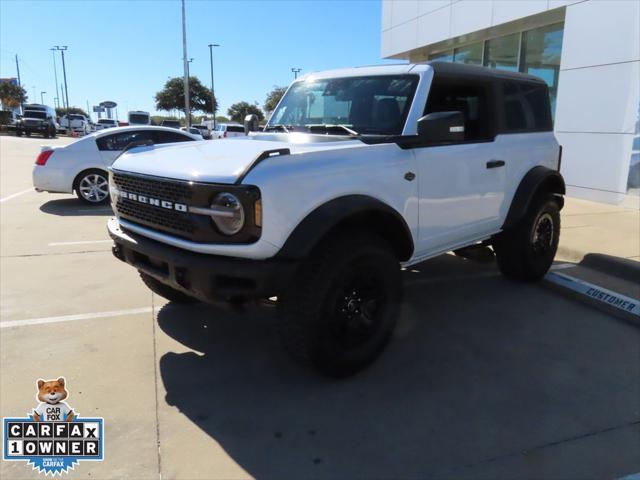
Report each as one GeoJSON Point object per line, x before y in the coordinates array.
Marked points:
{"type": "Point", "coordinates": [209, 278]}
{"type": "Point", "coordinates": [33, 128]}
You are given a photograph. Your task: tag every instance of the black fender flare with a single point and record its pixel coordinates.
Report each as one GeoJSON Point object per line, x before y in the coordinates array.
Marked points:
{"type": "Point", "coordinates": [538, 179]}
{"type": "Point", "coordinates": [350, 210]}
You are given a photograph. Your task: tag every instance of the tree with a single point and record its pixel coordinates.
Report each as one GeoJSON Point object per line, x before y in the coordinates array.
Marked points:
{"type": "Point", "coordinates": [12, 95]}
{"type": "Point", "coordinates": [273, 97]}
{"type": "Point", "coordinates": [239, 110]}
{"type": "Point", "coordinates": [171, 97]}
{"type": "Point", "coordinates": [61, 112]}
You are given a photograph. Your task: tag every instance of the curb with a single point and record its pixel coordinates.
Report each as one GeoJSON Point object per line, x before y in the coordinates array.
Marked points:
{"type": "Point", "coordinates": [597, 294]}
{"type": "Point", "coordinates": [623, 268]}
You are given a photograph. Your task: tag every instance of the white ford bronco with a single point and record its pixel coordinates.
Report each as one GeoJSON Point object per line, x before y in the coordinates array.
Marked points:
{"type": "Point", "coordinates": [357, 173]}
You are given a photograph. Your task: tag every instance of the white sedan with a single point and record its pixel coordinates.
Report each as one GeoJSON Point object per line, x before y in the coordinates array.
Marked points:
{"type": "Point", "coordinates": [81, 166]}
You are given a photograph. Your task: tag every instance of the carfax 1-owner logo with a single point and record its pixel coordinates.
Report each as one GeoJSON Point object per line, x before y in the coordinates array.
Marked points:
{"type": "Point", "coordinates": [53, 438]}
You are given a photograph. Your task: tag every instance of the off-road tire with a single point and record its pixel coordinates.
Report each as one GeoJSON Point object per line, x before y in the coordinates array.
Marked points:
{"type": "Point", "coordinates": [318, 324]}
{"type": "Point", "coordinates": [166, 291]}
{"type": "Point", "coordinates": [526, 251]}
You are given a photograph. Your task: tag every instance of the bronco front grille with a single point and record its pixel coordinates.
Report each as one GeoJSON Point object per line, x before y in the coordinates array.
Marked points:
{"type": "Point", "coordinates": [181, 223]}
{"type": "Point", "coordinates": [173, 191]}
{"type": "Point", "coordinates": [153, 216]}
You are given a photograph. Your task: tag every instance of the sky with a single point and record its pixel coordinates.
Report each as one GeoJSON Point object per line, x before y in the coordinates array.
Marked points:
{"type": "Point", "coordinates": [125, 50]}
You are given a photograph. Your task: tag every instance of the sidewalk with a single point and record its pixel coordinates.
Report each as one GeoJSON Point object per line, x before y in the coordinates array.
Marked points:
{"type": "Point", "coordinates": [603, 243]}
{"type": "Point", "coordinates": [590, 227]}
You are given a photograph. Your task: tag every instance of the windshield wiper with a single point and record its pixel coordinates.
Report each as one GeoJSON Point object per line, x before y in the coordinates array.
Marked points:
{"type": "Point", "coordinates": [328, 127]}
{"type": "Point", "coordinates": [277, 126]}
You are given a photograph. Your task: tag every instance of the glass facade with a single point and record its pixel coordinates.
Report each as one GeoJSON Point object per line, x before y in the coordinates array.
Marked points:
{"type": "Point", "coordinates": [503, 52]}
{"type": "Point", "coordinates": [470, 54]}
{"type": "Point", "coordinates": [541, 50]}
{"type": "Point", "coordinates": [536, 52]}
{"type": "Point", "coordinates": [442, 56]}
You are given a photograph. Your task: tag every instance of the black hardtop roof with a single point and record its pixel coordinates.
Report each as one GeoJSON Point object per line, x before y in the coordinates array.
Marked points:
{"type": "Point", "coordinates": [462, 70]}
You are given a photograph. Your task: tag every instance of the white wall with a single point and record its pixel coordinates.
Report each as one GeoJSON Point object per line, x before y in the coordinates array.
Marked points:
{"type": "Point", "coordinates": [598, 96]}
{"type": "Point", "coordinates": [409, 24]}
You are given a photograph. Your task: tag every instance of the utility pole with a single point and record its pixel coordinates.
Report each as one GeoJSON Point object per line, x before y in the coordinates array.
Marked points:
{"type": "Point", "coordinates": [296, 71]}
{"type": "Point", "coordinates": [19, 83]}
{"type": "Point", "coordinates": [185, 61]}
{"type": "Point", "coordinates": [64, 72]}
{"type": "Point", "coordinates": [42, 97]}
{"type": "Point", "coordinates": [213, 95]}
{"type": "Point", "coordinates": [55, 73]}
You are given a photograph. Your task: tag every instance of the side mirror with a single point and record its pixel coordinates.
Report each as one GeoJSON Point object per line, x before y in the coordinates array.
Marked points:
{"type": "Point", "coordinates": [251, 123]}
{"type": "Point", "coordinates": [441, 127]}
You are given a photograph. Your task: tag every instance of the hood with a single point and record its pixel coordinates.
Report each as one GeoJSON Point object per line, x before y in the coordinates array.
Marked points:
{"type": "Point", "coordinates": [220, 161]}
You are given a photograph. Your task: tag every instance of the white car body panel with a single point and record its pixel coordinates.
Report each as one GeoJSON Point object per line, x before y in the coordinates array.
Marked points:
{"type": "Point", "coordinates": [68, 161]}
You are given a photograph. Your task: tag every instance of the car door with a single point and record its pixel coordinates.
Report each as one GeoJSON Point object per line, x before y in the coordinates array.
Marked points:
{"type": "Point", "coordinates": [461, 185]}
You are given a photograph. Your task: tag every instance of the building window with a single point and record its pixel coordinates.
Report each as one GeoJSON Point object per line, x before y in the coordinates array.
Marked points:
{"type": "Point", "coordinates": [470, 54]}
{"type": "Point", "coordinates": [502, 52]}
{"type": "Point", "coordinates": [541, 50]}
{"type": "Point", "coordinates": [442, 56]}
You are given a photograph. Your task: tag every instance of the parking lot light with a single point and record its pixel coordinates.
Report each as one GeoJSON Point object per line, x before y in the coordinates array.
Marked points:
{"type": "Point", "coordinates": [213, 95]}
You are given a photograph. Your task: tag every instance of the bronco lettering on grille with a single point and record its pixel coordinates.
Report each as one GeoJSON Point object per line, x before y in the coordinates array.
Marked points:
{"type": "Point", "coordinates": [156, 202]}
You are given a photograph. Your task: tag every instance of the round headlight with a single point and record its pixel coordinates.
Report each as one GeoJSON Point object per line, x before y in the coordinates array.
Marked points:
{"type": "Point", "coordinates": [230, 216]}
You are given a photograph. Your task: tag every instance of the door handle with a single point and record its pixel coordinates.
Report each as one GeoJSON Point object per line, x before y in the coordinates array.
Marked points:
{"type": "Point", "coordinates": [495, 163]}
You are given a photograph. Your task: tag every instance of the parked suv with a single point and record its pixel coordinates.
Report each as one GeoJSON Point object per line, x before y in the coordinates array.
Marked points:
{"type": "Point", "coordinates": [40, 119]}
{"type": "Point", "coordinates": [79, 123]}
{"type": "Point", "coordinates": [358, 172]}
{"type": "Point", "coordinates": [227, 130]}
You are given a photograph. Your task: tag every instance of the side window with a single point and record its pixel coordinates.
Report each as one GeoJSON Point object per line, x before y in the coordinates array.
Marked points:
{"type": "Point", "coordinates": [118, 141]}
{"type": "Point", "coordinates": [170, 137]}
{"type": "Point", "coordinates": [526, 107]}
{"type": "Point", "coordinates": [469, 98]}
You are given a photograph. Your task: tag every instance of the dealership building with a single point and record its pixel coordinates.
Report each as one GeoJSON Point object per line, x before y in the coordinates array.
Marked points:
{"type": "Point", "coordinates": [587, 51]}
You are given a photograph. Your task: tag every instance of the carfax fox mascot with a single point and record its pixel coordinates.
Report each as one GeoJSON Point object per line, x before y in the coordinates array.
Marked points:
{"type": "Point", "coordinates": [51, 407]}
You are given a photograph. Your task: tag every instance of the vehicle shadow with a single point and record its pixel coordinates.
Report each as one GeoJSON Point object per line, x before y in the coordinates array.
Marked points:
{"type": "Point", "coordinates": [73, 207]}
{"type": "Point", "coordinates": [479, 368]}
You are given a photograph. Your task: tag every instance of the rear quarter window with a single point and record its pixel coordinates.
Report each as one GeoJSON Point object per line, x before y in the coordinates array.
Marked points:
{"type": "Point", "coordinates": [526, 107]}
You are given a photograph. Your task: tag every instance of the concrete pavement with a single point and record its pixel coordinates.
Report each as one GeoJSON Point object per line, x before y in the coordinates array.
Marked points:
{"type": "Point", "coordinates": [589, 227]}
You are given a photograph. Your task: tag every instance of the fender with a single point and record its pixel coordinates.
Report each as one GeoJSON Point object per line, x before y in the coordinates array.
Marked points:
{"type": "Point", "coordinates": [536, 180]}
{"type": "Point", "coordinates": [360, 210]}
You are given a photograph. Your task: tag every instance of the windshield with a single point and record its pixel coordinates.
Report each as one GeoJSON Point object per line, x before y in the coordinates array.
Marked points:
{"type": "Point", "coordinates": [35, 114]}
{"type": "Point", "coordinates": [76, 117]}
{"type": "Point", "coordinates": [366, 105]}
{"type": "Point", "coordinates": [106, 120]}
{"type": "Point", "coordinates": [139, 118]}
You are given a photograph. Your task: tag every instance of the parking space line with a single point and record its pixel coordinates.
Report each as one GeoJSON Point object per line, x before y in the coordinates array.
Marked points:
{"type": "Point", "coordinates": [82, 242]}
{"type": "Point", "coordinates": [600, 294]}
{"type": "Point", "coordinates": [9, 197]}
{"type": "Point", "coordinates": [74, 318]}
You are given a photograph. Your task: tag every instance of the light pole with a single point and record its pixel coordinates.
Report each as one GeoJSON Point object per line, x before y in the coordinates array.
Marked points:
{"type": "Point", "coordinates": [296, 71]}
{"type": "Point", "coordinates": [42, 97]}
{"type": "Point", "coordinates": [185, 61]}
{"type": "Point", "coordinates": [213, 95]}
{"type": "Point", "coordinates": [64, 72]}
{"type": "Point", "coordinates": [55, 73]}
